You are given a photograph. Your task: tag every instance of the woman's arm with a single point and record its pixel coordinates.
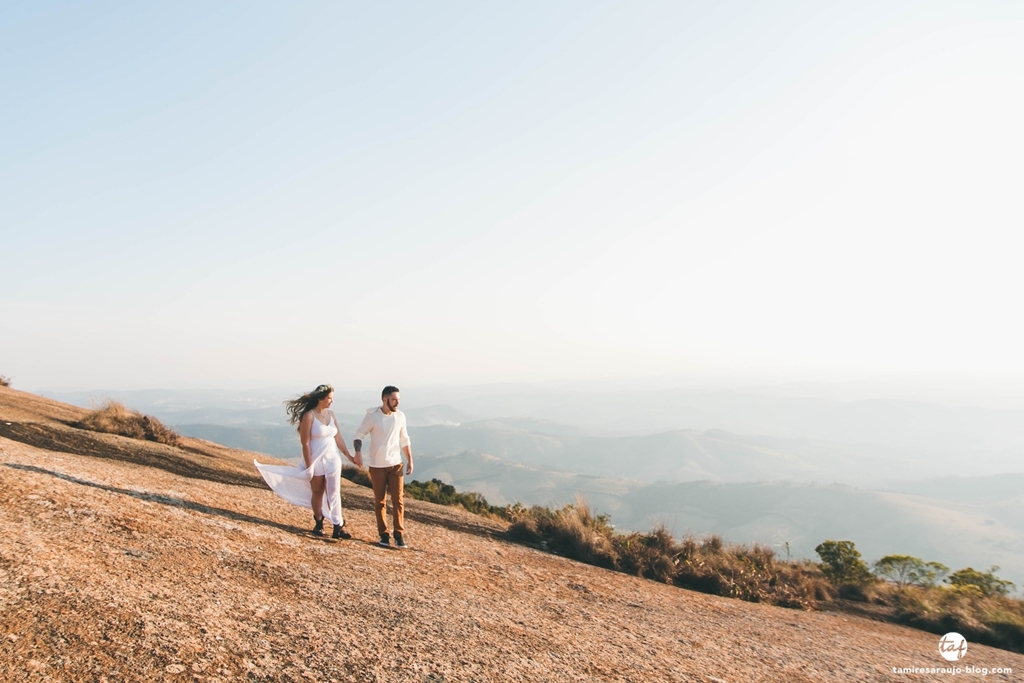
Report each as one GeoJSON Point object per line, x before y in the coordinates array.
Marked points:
{"type": "Point", "coordinates": [339, 439]}
{"type": "Point", "coordinates": [305, 427]}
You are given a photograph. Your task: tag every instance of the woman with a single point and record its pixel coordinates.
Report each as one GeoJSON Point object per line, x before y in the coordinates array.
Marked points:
{"type": "Point", "coordinates": [318, 484]}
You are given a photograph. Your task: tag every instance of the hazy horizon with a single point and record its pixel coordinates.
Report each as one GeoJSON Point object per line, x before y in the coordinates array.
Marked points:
{"type": "Point", "coordinates": [982, 392]}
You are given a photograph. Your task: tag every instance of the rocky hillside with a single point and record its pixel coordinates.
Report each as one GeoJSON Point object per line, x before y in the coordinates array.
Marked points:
{"type": "Point", "coordinates": [128, 560]}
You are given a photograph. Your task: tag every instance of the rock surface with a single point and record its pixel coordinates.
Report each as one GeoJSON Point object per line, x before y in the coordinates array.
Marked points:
{"type": "Point", "coordinates": [126, 560]}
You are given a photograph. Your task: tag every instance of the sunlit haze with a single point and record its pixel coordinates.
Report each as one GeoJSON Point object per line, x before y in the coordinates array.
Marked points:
{"type": "Point", "coordinates": [202, 194]}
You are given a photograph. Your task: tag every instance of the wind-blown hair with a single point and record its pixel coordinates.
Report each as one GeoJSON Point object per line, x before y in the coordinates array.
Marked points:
{"type": "Point", "coordinates": [297, 407]}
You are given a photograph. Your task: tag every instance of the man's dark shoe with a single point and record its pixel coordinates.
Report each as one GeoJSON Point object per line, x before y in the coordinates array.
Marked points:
{"type": "Point", "coordinates": [400, 542]}
{"type": "Point", "coordinates": [385, 541]}
{"type": "Point", "coordinates": [318, 528]}
{"type": "Point", "coordinates": [339, 532]}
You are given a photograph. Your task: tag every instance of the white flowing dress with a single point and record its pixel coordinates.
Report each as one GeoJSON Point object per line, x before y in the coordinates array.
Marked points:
{"type": "Point", "coordinates": [292, 483]}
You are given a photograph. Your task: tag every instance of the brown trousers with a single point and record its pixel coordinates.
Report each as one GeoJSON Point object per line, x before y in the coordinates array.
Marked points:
{"type": "Point", "coordinates": [386, 479]}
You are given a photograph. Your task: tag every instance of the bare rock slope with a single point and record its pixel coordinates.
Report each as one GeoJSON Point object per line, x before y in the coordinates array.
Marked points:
{"type": "Point", "coordinates": [127, 560]}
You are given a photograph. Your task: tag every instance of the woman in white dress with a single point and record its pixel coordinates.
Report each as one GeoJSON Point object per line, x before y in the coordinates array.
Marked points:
{"type": "Point", "coordinates": [318, 484]}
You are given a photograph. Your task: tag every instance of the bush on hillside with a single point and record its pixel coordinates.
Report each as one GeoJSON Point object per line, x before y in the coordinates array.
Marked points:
{"type": "Point", "coordinates": [751, 574]}
{"type": "Point", "coordinates": [987, 582]}
{"type": "Point", "coordinates": [841, 563]}
{"type": "Point", "coordinates": [114, 418]}
{"type": "Point", "coordinates": [975, 605]}
{"type": "Point", "coordinates": [709, 565]}
{"type": "Point", "coordinates": [356, 475]}
{"type": "Point", "coordinates": [571, 531]}
{"type": "Point", "coordinates": [436, 491]}
{"type": "Point", "coordinates": [5, 381]}
{"type": "Point", "coordinates": [994, 620]}
{"type": "Point", "coordinates": [651, 556]}
{"type": "Point", "coordinates": [905, 570]}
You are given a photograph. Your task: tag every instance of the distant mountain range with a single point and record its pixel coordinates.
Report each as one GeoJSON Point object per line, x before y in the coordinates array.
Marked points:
{"type": "Point", "coordinates": [969, 521]}
{"type": "Point", "coordinates": [674, 456]}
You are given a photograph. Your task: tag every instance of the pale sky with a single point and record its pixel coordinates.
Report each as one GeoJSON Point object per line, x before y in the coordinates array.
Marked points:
{"type": "Point", "coordinates": [201, 194]}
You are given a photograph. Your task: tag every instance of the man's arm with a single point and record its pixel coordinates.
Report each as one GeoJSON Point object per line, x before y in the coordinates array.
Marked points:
{"type": "Point", "coordinates": [403, 440]}
{"type": "Point", "coordinates": [408, 458]}
{"type": "Point", "coordinates": [357, 443]}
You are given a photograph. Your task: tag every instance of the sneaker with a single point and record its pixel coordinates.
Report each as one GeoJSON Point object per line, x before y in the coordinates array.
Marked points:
{"type": "Point", "coordinates": [385, 541]}
{"type": "Point", "coordinates": [400, 542]}
{"type": "Point", "coordinates": [339, 532]}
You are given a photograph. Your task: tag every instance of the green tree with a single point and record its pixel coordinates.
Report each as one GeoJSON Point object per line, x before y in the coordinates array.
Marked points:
{"type": "Point", "coordinates": [987, 582]}
{"type": "Point", "coordinates": [841, 563]}
{"type": "Point", "coordinates": [905, 570]}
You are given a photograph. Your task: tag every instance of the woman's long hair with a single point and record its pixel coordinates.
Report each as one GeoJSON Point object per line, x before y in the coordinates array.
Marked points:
{"type": "Point", "coordinates": [297, 407]}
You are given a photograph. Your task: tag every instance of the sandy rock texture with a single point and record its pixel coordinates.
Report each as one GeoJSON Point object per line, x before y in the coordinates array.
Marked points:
{"type": "Point", "coordinates": [129, 561]}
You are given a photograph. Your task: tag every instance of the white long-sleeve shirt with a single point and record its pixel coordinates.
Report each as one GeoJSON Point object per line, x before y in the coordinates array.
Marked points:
{"type": "Point", "coordinates": [387, 434]}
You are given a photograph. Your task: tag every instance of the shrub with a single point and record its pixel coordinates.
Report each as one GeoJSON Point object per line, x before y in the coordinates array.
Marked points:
{"type": "Point", "coordinates": [993, 620]}
{"type": "Point", "coordinates": [904, 570]}
{"type": "Point", "coordinates": [755, 574]}
{"type": "Point", "coordinates": [986, 582]}
{"type": "Point", "coordinates": [356, 475]}
{"type": "Point", "coordinates": [709, 565]}
{"type": "Point", "coordinates": [436, 491]}
{"type": "Point", "coordinates": [571, 531]}
{"type": "Point", "coordinates": [113, 418]}
{"type": "Point", "coordinates": [650, 556]}
{"type": "Point", "coordinates": [841, 563]}
{"type": "Point", "coordinates": [5, 381]}
{"type": "Point", "coordinates": [751, 574]}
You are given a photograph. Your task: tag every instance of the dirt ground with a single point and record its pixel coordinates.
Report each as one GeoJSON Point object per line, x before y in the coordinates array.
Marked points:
{"type": "Point", "coordinates": [130, 561]}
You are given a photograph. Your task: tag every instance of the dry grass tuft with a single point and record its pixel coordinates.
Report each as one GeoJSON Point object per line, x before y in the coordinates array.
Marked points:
{"type": "Point", "coordinates": [990, 619]}
{"type": "Point", "coordinates": [752, 574]}
{"type": "Point", "coordinates": [114, 418]}
{"type": "Point", "coordinates": [709, 565]}
{"type": "Point", "coordinates": [571, 531]}
{"type": "Point", "coordinates": [5, 381]}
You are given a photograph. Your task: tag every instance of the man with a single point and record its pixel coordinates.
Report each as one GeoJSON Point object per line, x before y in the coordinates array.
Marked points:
{"type": "Point", "coordinates": [388, 441]}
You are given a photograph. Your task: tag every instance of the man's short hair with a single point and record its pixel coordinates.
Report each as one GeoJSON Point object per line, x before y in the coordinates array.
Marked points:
{"type": "Point", "coordinates": [388, 390]}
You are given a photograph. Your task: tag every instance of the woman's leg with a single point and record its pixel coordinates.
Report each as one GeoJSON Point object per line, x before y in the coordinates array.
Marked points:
{"type": "Point", "coordinates": [332, 490]}
{"type": "Point", "coordinates": [317, 502]}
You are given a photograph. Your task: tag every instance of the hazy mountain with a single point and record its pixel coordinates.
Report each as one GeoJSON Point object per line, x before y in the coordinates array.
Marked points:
{"type": "Point", "coordinates": [1004, 487]}
{"type": "Point", "coordinates": [280, 442]}
{"type": "Point", "coordinates": [921, 426]}
{"type": "Point", "coordinates": [880, 523]}
{"type": "Point", "coordinates": [917, 424]}
{"type": "Point", "coordinates": [956, 533]}
{"type": "Point", "coordinates": [691, 455]}
{"type": "Point", "coordinates": [673, 456]}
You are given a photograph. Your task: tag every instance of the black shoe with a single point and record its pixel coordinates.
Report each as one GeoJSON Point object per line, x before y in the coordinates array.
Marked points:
{"type": "Point", "coordinates": [385, 541]}
{"type": "Point", "coordinates": [400, 542]}
{"type": "Point", "coordinates": [318, 528]}
{"type": "Point", "coordinates": [339, 532]}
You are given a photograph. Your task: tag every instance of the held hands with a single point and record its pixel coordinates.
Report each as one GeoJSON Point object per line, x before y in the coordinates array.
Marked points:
{"type": "Point", "coordinates": [357, 459]}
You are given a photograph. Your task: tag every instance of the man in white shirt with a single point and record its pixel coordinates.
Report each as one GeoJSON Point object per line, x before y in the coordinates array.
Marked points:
{"type": "Point", "coordinates": [388, 441]}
